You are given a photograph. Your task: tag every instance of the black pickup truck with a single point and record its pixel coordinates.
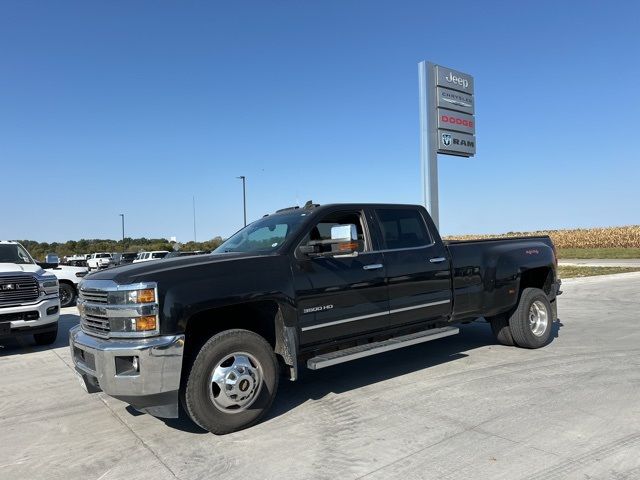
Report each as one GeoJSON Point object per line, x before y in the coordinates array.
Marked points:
{"type": "Point", "coordinates": [303, 287]}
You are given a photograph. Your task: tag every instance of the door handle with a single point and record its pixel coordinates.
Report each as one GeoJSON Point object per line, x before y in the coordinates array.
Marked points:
{"type": "Point", "coordinates": [437, 259]}
{"type": "Point", "coordinates": [373, 266]}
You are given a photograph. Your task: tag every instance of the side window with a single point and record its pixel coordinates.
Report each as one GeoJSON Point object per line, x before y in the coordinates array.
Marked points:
{"type": "Point", "coordinates": [402, 228]}
{"type": "Point", "coordinates": [322, 229]}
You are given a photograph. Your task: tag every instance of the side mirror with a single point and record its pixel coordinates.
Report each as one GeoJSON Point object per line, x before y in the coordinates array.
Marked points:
{"type": "Point", "coordinates": [343, 241]}
{"type": "Point", "coordinates": [52, 259]}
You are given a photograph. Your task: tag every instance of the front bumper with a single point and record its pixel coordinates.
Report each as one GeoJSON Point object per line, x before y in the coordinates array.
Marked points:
{"type": "Point", "coordinates": [152, 389]}
{"type": "Point", "coordinates": [28, 319]}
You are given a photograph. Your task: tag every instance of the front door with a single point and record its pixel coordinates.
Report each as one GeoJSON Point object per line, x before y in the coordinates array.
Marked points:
{"type": "Point", "coordinates": [340, 296]}
{"type": "Point", "coordinates": [417, 267]}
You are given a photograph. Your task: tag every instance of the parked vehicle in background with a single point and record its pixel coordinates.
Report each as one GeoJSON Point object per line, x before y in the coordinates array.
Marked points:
{"type": "Point", "coordinates": [315, 287]}
{"type": "Point", "coordinates": [97, 261]}
{"type": "Point", "coordinates": [149, 256]}
{"type": "Point", "coordinates": [68, 278]}
{"type": "Point", "coordinates": [118, 259]}
{"type": "Point", "coordinates": [29, 303]}
{"type": "Point", "coordinates": [76, 260]}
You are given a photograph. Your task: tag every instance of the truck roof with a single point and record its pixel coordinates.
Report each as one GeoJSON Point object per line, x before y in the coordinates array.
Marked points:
{"type": "Point", "coordinates": [314, 207]}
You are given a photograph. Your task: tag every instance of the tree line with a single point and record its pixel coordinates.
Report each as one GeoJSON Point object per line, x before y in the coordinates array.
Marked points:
{"type": "Point", "coordinates": [39, 250]}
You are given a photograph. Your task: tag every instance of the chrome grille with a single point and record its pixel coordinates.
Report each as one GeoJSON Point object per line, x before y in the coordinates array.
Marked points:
{"type": "Point", "coordinates": [16, 289]}
{"type": "Point", "coordinates": [93, 295]}
{"type": "Point", "coordinates": [97, 325]}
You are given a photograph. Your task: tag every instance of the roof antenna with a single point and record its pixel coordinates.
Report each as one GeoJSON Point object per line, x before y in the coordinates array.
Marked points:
{"type": "Point", "coordinates": [309, 205]}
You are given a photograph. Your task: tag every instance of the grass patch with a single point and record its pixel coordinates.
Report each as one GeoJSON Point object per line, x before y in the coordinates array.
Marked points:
{"type": "Point", "coordinates": [566, 271]}
{"type": "Point", "coordinates": [566, 253]}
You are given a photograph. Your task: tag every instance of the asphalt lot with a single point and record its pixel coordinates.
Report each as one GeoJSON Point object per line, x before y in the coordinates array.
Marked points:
{"type": "Point", "coordinates": [459, 407]}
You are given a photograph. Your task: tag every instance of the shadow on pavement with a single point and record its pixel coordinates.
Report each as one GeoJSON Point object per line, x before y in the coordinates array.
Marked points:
{"type": "Point", "coordinates": [23, 344]}
{"type": "Point", "coordinates": [314, 385]}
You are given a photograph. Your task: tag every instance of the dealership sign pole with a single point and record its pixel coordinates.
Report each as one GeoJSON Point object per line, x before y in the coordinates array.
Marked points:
{"type": "Point", "coordinates": [447, 124]}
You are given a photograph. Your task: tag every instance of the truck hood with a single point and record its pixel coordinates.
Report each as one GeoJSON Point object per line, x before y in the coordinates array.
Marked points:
{"type": "Point", "coordinates": [19, 268]}
{"type": "Point", "coordinates": [149, 271]}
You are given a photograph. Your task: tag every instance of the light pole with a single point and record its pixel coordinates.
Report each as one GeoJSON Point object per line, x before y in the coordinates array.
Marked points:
{"type": "Point", "coordinates": [244, 197]}
{"type": "Point", "coordinates": [122, 215]}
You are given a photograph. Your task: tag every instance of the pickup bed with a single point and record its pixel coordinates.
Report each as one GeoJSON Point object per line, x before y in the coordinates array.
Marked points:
{"type": "Point", "coordinates": [303, 287]}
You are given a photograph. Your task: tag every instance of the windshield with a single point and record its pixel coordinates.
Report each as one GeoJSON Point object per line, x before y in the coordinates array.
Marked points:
{"type": "Point", "coordinates": [14, 253]}
{"type": "Point", "coordinates": [265, 234]}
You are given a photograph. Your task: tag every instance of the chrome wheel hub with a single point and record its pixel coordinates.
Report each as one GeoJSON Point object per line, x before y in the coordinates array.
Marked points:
{"type": "Point", "coordinates": [538, 318]}
{"type": "Point", "coordinates": [236, 382]}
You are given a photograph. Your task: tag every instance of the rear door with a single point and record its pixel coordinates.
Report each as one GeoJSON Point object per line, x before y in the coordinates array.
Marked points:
{"type": "Point", "coordinates": [417, 266]}
{"type": "Point", "coordinates": [340, 296]}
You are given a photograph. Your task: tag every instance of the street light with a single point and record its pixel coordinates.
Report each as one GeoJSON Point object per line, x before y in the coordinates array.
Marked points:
{"type": "Point", "coordinates": [244, 197]}
{"type": "Point", "coordinates": [122, 215]}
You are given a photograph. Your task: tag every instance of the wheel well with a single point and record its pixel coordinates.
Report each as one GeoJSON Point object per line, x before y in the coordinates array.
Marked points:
{"type": "Point", "coordinates": [541, 277]}
{"type": "Point", "coordinates": [68, 282]}
{"type": "Point", "coordinates": [258, 317]}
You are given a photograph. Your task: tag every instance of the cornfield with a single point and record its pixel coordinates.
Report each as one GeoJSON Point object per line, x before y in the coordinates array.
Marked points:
{"type": "Point", "coordinates": [609, 237]}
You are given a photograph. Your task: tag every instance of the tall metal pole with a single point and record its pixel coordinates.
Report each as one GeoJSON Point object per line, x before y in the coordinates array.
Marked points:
{"type": "Point", "coordinates": [122, 215]}
{"type": "Point", "coordinates": [244, 197]}
{"type": "Point", "coordinates": [194, 219]}
{"type": "Point", "coordinates": [428, 140]}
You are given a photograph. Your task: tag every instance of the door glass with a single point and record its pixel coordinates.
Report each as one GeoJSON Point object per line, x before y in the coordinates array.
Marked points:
{"type": "Point", "coordinates": [403, 228]}
{"type": "Point", "coordinates": [322, 230]}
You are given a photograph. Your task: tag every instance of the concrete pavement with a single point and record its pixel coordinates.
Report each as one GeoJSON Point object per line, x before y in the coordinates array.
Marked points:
{"type": "Point", "coordinates": [604, 262]}
{"type": "Point", "coordinates": [459, 407]}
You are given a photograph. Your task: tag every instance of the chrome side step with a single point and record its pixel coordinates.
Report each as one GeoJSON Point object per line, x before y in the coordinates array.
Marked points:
{"type": "Point", "coordinates": [348, 354]}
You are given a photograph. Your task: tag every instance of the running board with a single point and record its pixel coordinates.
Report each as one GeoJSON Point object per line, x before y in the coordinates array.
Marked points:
{"type": "Point", "coordinates": [348, 354]}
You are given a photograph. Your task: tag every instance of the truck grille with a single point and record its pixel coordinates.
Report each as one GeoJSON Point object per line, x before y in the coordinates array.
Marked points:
{"type": "Point", "coordinates": [93, 296]}
{"type": "Point", "coordinates": [17, 289]}
{"type": "Point", "coordinates": [97, 325]}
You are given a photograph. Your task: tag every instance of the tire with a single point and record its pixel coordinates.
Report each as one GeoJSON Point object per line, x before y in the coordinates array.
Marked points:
{"type": "Point", "coordinates": [501, 330]}
{"type": "Point", "coordinates": [46, 338]}
{"type": "Point", "coordinates": [67, 295]}
{"type": "Point", "coordinates": [525, 333]}
{"type": "Point", "coordinates": [227, 352]}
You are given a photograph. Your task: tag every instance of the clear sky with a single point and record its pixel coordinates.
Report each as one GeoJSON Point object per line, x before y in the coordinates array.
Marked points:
{"type": "Point", "coordinates": [136, 107]}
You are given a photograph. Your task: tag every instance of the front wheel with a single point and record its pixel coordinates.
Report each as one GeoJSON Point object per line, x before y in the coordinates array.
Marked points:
{"type": "Point", "coordinates": [67, 295]}
{"type": "Point", "coordinates": [232, 382]}
{"type": "Point", "coordinates": [532, 320]}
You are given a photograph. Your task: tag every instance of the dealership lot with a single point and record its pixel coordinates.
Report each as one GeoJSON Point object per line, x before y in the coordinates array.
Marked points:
{"type": "Point", "coordinates": [460, 407]}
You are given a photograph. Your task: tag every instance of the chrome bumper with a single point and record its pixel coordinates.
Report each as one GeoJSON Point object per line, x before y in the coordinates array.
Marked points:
{"type": "Point", "coordinates": [153, 388]}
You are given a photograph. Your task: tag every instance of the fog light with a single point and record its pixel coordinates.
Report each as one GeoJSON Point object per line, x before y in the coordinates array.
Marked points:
{"type": "Point", "coordinates": [52, 310]}
{"type": "Point", "coordinates": [127, 365]}
{"type": "Point", "coordinates": [146, 323]}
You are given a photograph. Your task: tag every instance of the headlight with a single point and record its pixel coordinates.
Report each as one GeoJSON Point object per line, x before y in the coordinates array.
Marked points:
{"type": "Point", "coordinates": [146, 323]}
{"type": "Point", "coordinates": [128, 297]}
{"type": "Point", "coordinates": [48, 285]}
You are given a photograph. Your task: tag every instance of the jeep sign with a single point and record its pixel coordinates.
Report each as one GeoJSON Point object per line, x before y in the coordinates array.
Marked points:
{"type": "Point", "coordinates": [448, 78]}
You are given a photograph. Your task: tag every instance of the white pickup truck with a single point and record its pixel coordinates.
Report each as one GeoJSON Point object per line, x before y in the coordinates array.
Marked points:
{"type": "Point", "coordinates": [98, 261]}
{"type": "Point", "coordinates": [29, 303]}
